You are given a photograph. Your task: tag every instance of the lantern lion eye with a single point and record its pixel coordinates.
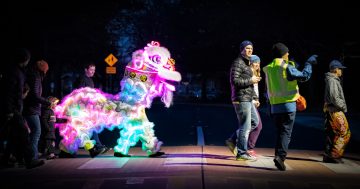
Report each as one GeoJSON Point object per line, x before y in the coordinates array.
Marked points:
{"type": "Point", "coordinates": [155, 59]}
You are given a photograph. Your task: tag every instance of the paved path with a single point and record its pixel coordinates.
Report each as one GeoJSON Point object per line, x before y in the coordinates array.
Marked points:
{"type": "Point", "coordinates": [188, 167]}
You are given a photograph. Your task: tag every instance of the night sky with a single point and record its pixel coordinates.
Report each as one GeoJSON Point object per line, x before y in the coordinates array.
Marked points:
{"type": "Point", "coordinates": [202, 36]}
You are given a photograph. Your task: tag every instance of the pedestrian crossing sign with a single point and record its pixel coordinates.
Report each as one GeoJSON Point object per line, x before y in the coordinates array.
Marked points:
{"type": "Point", "coordinates": [111, 59]}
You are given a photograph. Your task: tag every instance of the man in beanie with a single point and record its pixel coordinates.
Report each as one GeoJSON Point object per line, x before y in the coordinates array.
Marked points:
{"type": "Point", "coordinates": [279, 49]}
{"type": "Point", "coordinates": [242, 83]}
{"type": "Point", "coordinates": [282, 92]}
{"type": "Point", "coordinates": [254, 133]}
{"type": "Point", "coordinates": [43, 66]}
{"type": "Point", "coordinates": [337, 130]}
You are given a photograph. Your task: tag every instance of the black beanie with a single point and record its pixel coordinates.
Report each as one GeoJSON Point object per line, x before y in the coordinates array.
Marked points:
{"type": "Point", "coordinates": [244, 44]}
{"type": "Point", "coordinates": [279, 49]}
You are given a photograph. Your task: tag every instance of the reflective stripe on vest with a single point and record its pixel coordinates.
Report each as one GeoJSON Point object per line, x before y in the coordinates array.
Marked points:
{"type": "Point", "coordinates": [279, 89]}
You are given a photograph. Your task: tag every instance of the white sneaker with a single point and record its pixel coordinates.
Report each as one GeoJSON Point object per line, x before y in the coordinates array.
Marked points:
{"type": "Point", "coordinates": [245, 157]}
{"type": "Point", "coordinates": [231, 145]}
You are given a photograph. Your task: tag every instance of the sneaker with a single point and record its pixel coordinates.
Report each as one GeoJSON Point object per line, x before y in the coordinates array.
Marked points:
{"type": "Point", "coordinates": [96, 151]}
{"type": "Point", "coordinates": [35, 163]}
{"type": "Point", "coordinates": [231, 145]}
{"type": "Point", "coordinates": [156, 154]}
{"type": "Point", "coordinates": [279, 163]}
{"type": "Point", "coordinates": [51, 156]}
{"type": "Point", "coordinates": [252, 153]}
{"type": "Point", "coordinates": [245, 157]}
{"type": "Point", "coordinates": [119, 154]}
{"type": "Point", "coordinates": [327, 159]}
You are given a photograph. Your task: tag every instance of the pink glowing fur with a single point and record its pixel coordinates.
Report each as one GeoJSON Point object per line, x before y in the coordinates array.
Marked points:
{"type": "Point", "coordinates": [87, 110]}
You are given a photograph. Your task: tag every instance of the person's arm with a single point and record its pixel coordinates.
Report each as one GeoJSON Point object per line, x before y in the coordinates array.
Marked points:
{"type": "Point", "coordinates": [335, 95]}
{"type": "Point", "coordinates": [305, 74]}
{"type": "Point", "coordinates": [302, 76]}
{"type": "Point", "coordinates": [13, 93]}
{"type": "Point", "coordinates": [34, 82]}
{"type": "Point", "coordinates": [237, 77]}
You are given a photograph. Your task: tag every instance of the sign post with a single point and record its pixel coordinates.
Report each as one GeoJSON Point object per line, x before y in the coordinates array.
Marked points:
{"type": "Point", "coordinates": [111, 60]}
{"type": "Point", "coordinates": [110, 70]}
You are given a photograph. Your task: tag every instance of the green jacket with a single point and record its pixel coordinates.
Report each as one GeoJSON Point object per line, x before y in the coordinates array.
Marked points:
{"type": "Point", "coordinates": [279, 88]}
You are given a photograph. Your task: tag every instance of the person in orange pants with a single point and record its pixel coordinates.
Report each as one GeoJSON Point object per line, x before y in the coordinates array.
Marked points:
{"type": "Point", "coordinates": [337, 132]}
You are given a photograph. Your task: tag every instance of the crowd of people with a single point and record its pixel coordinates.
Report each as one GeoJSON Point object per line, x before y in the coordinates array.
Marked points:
{"type": "Point", "coordinates": [28, 119]}
{"type": "Point", "coordinates": [282, 94]}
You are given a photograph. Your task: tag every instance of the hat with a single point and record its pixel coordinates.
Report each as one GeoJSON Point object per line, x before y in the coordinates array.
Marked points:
{"type": "Point", "coordinates": [42, 65]}
{"type": "Point", "coordinates": [244, 44]}
{"type": "Point", "coordinates": [336, 64]}
{"type": "Point", "coordinates": [254, 59]}
{"type": "Point", "coordinates": [279, 49]}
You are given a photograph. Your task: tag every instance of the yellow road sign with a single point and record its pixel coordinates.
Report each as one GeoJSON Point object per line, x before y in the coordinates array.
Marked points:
{"type": "Point", "coordinates": [111, 59]}
{"type": "Point", "coordinates": [110, 70]}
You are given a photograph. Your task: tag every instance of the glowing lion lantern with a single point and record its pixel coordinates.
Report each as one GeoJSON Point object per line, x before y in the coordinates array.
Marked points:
{"type": "Point", "coordinates": [86, 109]}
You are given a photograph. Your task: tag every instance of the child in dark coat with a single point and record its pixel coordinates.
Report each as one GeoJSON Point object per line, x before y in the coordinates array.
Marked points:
{"type": "Point", "coordinates": [48, 120]}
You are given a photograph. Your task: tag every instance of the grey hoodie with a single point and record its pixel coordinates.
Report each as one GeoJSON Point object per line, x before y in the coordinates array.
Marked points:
{"type": "Point", "coordinates": [334, 95]}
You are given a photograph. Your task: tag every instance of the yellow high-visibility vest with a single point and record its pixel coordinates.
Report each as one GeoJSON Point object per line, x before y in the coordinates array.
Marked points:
{"type": "Point", "coordinates": [279, 89]}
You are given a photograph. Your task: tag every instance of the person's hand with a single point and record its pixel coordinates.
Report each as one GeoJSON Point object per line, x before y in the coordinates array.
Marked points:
{"type": "Point", "coordinates": [255, 79]}
{"type": "Point", "coordinates": [256, 103]}
{"type": "Point", "coordinates": [27, 127]}
{"type": "Point", "coordinates": [312, 59]}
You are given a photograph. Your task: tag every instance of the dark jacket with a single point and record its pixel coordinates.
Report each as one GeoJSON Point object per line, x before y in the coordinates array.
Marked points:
{"type": "Point", "coordinates": [85, 81]}
{"type": "Point", "coordinates": [48, 120]}
{"type": "Point", "coordinates": [34, 100]}
{"type": "Point", "coordinates": [14, 82]}
{"type": "Point", "coordinates": [242, 89]}
{"type": "Point", "coordinates": [334, 95]}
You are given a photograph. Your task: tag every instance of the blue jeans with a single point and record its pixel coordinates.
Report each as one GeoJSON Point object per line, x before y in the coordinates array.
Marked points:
{"type": "Point", "coordinates": [248, 120]}
{"type": "Point", "coordinates": [35, 128]}
{"type": "Point", "coordinates": [254, 133]}
{"type": "Point", "coordinates": [284, 123]}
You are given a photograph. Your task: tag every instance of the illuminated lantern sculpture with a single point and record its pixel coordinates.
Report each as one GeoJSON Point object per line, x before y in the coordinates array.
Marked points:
{"type": "Point", "coordinates": [86, 109]}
